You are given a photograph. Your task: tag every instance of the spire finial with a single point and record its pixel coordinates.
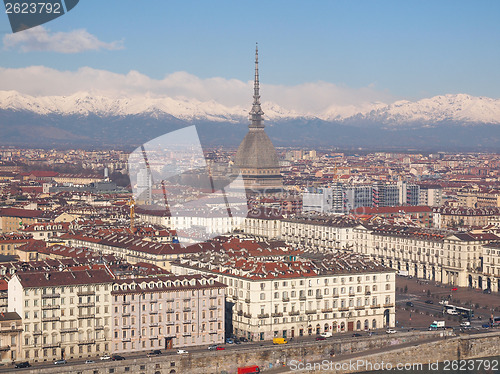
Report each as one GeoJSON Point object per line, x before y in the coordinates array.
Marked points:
{"type": "Point", "coordinates": [256, 113]}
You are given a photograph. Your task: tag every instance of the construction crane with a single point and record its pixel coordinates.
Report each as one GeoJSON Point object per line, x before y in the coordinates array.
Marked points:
{"type": "Point", "coordinates": [131, 203]}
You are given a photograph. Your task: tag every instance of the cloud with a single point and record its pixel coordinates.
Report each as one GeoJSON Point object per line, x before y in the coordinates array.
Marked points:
{"type": "Point", "coordinates": [313, 98]}
{"type": "Point", "coordinates": [43, 40]}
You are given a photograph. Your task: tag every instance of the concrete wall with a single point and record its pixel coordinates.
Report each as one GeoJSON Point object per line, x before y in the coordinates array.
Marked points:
{"type": "Point", "coordinates": [465, 347]}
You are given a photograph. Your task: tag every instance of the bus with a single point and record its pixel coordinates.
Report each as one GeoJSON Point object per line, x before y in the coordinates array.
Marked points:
{"type": "Point", "coordinates": [458, 310]}
{"type": "Point", "coordinates": [465, 312]}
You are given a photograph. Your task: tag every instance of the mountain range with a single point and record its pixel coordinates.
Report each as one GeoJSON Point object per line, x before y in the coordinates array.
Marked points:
{"type": "Point", "coordinates": [86, 119]}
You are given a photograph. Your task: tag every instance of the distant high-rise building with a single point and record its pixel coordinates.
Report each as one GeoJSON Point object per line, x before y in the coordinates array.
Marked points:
{"type": "Point", "coordinates": [256, 157]}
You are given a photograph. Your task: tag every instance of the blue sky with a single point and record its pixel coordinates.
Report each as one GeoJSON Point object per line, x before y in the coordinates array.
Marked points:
{"type": "Point", "coordinates": [394, 49]}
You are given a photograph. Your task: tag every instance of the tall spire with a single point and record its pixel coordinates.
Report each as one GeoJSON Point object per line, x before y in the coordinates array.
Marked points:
{"type": "Point", "coordinates": [256, 113]}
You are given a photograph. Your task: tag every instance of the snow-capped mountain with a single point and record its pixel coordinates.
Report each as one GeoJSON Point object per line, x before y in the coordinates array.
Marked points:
{"type": "Point", "coordinates": [85, 103]}
{"type": "Point", "coordinates": [460, 108]}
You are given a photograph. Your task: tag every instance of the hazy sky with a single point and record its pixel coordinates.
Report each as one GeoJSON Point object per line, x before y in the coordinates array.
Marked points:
{"type": "Point", "coordinates": [338, 52]}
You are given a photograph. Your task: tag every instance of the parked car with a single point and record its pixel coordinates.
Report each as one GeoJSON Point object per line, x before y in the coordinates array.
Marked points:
{"type": "Point", "coordinates": [229, 341]}
{"type": "Point", "coordinates": [181, 351]}
{"type": "Point", "coordinates": [90, 362]}
{"type": "Point", "coordinates": [21, 365]}
{"type": "Point", "coordinates": [429, 302]}
{"type": "Point", "coordinates": [243, 339]}
{"type": "Point", "coordinates": [410, 304]}
{"type": "Point", "coordinates": [355, 335]}
{"type": "Point", "coordinates": [105, 357]}
{"type": "Point", "coordinates": [326, 334]}
{"type": "Point", "coordinates": [485, 325]}
{"type": "Point", "coordinates": [237, 341]}
{"type": "Point", "coordinates": [390, 331]}
{"type": "Point", "coordinates": [60, 362]}
{"type": "Point", "coordinates": [117, 358]}
{"type": "Point", "coordinates": [219, 348]}
{"type": "Point", "coordinates": [319, 337]}
{"type": "Point", "coordinates": [155, 352]}
{"type": "Point", "coordinates": [487, 291]}
{"type": "Point", "coordinates": [212, 347]}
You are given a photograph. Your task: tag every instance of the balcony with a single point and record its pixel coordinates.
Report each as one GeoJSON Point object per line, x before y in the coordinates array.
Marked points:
{"type": "Point", "coordinates": [126, 303]}
{"type": "Point", "coordinates": [319, 296]}
{"type": "Point", "coordinates": [212, 307]}
{"type": "Point", "coordinates": [39, 332]}
{"type": "Point", "coordinates": [126, 327]}
{"type": "Point", "coordinates": [85, 293]}
{"type": "Point", "coordinates": [187, 321]}
{"type": "Point", "coordinates": [186, 334]}
{"type": "Point", "coordinates": [375, 306]}
{"type": "Point", "coordinates": [286, 299]}
{"type": "Point", "coordinates": [153, 312]}
{"type": "Point", "coordinates": [186, 309]}
{"type": "Point", "coordinates": [265, 315]}
{"type": "Point", "coordinates": [335, 295]}
{"type": "Point", "coordinates": [99, 327]}
{"type": "Point", "coordinates": [6, 331]}
{"type": "Point", "coordinates": [368, 293]}
{"type": "Point", "coordinates": [154, 337]}
{"type": "Point", "coordinates": [390, 305]}
{"type": "Point", "coordinates": [50, 295]}
{"type": "Point", "coordinates": [170, 323]}
{"type": "Point", "coordinates": [312, 311]}
{"type": "Point", "coordinates": [86, 316]}
{"type": "Point", "coordinates": [186, 299]}
{"type": "Point", "coordinates": [352, 294]}
{"type": "Point", "coordinates": [155, 301]}
{"type": "Point", "coordinates": [277, 314]}
{"type": "Point", "coordinates": [327, 310]}
{"type": "Point", "coordinates": [359, 307]}
{"type": "Point", "coordinates": [86, 305]}
{"type": "Point", "coordinates": [240, 312]}
{"type": "Point", "coordinates": [51, 345]}
{"type": "Point", "coordinates": [294, 313]}
{"type": "Point", "coordinates": [154, 324]}
{"type": "Point", "coordinates": [344, 309]}
{"type": "Point", "coordinates": [212, 320]}
{"type": "Point", "coordinates": [302, 297]}
{"type": "Point", "coordinates": [67, 330]}
{"type": "Point", "coordinates": [48, 307]}
{"type": "Point", "coordinates": [86, 342]}
{"type": "Point", "coordinates": [170, 310]}
{"type": "Point", "coordinates": [247, 315]}
{"type": "Point", "coordinates": [5, 348]}
{"type": "Point", "coordinates": [50, 319]}
{"type": "Point", "coordinates": [126, 339]}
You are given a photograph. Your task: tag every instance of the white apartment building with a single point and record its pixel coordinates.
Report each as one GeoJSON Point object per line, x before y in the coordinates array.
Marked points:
{"type": "Point", "coordinates": [444, 256]}
{"type": "Point", "coordinates": [269, 298]}
{"type": "Point", "coordinates": [65, 314]}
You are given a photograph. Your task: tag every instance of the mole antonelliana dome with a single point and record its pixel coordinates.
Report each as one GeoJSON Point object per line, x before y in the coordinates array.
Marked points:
{"type": "Point", "coordinates": [256, 157]}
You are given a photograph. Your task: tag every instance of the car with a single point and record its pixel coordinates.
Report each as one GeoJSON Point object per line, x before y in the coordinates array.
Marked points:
{"type": "Point", "coordinates": [21, 365]}
{"type": "Point", "coordinates": [410, 304]}
{"type": "Point", "coordinates": [60, 362]}
{"type": "Point", "coordinates": [485, 325]}
{"type": "Point", "coordinates": [236, 341]}
{"type": "Point", "coordinates": [90, 362]}
{"type": "Point", "coordinates": [390, 331]}
{"type": "Point", "coordinates": [454, 289]}
{"type": "Point", "coordinates": [229, 341]}
{"type": "Point", "coordinates": [105, 357]}
{"type": "Point", "coordinates": [319, 337]}
{"type": "Point", "coordinates": [219, 348]}
{"type": "Point", "coordinates": [155, 352]}
{"type": "Point", "coordinates": [327, 334]}
{"type": "Point", "coordinates": [429, 302]}
{"type": "Point", "coordinates": [212, 347]}
{"type": "Point", "coordinates": [243, 339]}
{"type": "Point", "coordinates": [355, 335]}
{"type": "Point", "coordinates": [488, 291]}
{"type": "Point", "coordinates": [117, 358]}
{"type": "Point", "coordinates": [181, 351]}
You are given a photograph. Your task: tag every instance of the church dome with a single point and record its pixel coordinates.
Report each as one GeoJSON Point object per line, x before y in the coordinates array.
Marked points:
{"type": "Point", "coordinates": [256, 151]}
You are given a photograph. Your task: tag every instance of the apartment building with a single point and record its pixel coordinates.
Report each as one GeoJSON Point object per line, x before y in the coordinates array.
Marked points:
{"type": "Point", "coordinates": [489, 275]}
{"type": "Point", "coordinates": [166, 312]}
{"type": "Point", "coordinates": [13, 219]}
{"type": "Point", "coordinates": [443, 256]}
{"type": "Point", "coordinates": [11, 327]}
{"type": "Point", "coordinates": [296, 296]}
{"type": "Point", "coordinates": [449, 217]}
{"type": "Point", "coordinates": [65, 314]}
